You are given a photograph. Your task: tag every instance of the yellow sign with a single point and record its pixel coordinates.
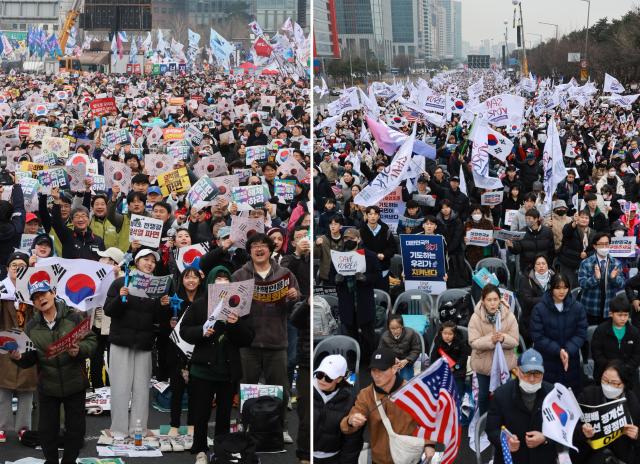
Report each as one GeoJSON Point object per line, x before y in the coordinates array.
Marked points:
{"type": "Point", "coordinates": [174, 181]}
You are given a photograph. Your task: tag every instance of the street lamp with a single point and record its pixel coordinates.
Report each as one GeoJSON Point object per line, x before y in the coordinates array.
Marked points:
{"type": "Point", "coordinates": [525, 65]}
{"type": "Point", "coordinates": [539, 36]}
{"type": "Point", "coordinates": [551, 24]}
{"type": "Point", "coordinates": [586, 38]}
{"type": "Point", "coordinates": [506, 44]}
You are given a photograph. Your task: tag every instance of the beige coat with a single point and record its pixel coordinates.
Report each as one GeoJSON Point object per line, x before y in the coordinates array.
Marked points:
{"type": "Point", "coordinates": [13, 377]}
{"type": "Point", "coordinates": [557, 223]}
{"type": "Point", "coordinates": [482, 348]}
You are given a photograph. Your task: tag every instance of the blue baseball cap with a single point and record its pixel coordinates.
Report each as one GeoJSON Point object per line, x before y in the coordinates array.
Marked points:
{"type": "Point", "coordinates": [37, 287]}
{"type": "Point", "coordinates": [154, 189]}
{"type": "Point", "coordinates": [531, 361]}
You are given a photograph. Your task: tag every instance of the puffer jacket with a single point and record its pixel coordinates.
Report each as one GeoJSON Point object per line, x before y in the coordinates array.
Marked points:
{"type": "Point", "coordinates": [12, 217]}
{"type": "Point", "coordinates": [534, 243]}
{"type": "Point", "coordinates": [103, 228]}
{"type": "Point", "coordinates": [407, 347]}
{"type": "Point", "coordinates": [61, 375]}
{"type": "Point", "coordinates": [480, 332]}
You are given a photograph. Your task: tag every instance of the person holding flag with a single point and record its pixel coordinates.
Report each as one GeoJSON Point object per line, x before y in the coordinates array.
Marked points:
{"type": "Point", "coordinates": [515, 415]}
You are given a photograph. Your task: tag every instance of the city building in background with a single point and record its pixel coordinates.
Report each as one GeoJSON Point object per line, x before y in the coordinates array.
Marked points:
{"type": "Point", "coordinates": [18, 15]}
{"type": "Point", "coordinates": [405, 26]}
{"type": "Point", "coordinates": [325, 30]}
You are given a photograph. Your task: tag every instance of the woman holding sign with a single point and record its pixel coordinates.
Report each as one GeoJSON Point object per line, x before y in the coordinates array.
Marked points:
{"type": "Point", "coordinates": [478, 220]}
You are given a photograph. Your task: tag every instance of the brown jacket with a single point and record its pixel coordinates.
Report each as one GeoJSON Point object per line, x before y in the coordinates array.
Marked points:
{"type": "Point", "coordinates": [557, 223]}
{"type": "Point", "coordinates": [13, 377]}
{"type": "Point", "coordinates": [401, 422]}
{"type": "Point", "coordinates": [480, 332]}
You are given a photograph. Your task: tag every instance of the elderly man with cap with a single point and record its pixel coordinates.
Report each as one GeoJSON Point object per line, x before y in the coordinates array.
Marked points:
{"type": "Point", "coordinates": [132, 335]}
{"type": "Point", "coordinates": [517, 406]}
{"type": "Point", "coordinates": [386, 380]}
{"type": "Point", "coordinates": [61, 379]}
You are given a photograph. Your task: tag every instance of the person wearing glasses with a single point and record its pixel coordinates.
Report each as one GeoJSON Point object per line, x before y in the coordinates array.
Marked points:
{"type": "Point", "coordinates": [614, 385]}
{"type": "Point", "coordinates": [600, 278]}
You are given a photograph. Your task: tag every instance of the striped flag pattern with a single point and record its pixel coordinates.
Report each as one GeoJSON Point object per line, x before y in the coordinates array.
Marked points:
{"type": "Point", "coordinates": [430, 398]}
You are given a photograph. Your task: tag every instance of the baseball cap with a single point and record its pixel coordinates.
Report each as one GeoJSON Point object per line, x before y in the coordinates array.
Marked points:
{"type": "Point", "coordinates": [454, 179]}
{"type": "Point", "coordinates": [383, 359]}
{"type": "Point", "coordinates": [114, 253]}
{"type": "Point", "coordinates": [30, 217]}
{"type": "Point", "coordinates": [154, 189]}
{"type": "Point", "coordinates": [558, 204]}
{"type": "Point", "coordinates": [531, 361]}
{"type": "Point", "coordinates": [146, 252]}
{"type": "Point", "coordinates": [333, 366]}
{"type": "Point", "coordinates": [39, 286]}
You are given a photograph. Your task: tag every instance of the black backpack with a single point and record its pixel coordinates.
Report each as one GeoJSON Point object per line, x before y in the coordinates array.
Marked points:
{"type": "Point", "coordinates": [234, 448]}
{"type": "Point", "coordinates": [262, 420]}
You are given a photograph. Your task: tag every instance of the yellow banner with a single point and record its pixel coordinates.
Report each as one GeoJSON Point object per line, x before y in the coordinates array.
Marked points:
{"type": "Point", "coordinates": [174, 181]}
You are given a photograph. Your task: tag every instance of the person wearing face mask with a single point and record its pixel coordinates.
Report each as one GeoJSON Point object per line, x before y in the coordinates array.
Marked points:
{"type": "Point", "coordinates": [492, 322]}
{"type": "Point", "coordinates": [404, 342]}
{"type": "Point", "coordinates": [576, 239]}
{"type": "Point", "coordinates": [532, 286]}
{"type": "Point", "coordinates": [558, 328]}
{"type": "Point", "coordinates": [597, 218]}
{"type": "Point", "coordinates": [612, 180]}
{"type": "Point", "coordinates": [600, 278]}
{"type": "Point", "coordinates": [614, 385]}
{"type": "Point", "coordinates": [537, 240]}
{"type": "Point", "coordinates": [478, 220]}
{"type": "Point", "coordinates": [517, 405]}
{"type": "Point", "coordinates": [557, 221]}
{"type": "Point", "coordinates": [616, 338]}
{"type": "Point", "coordinates": [608, 204]}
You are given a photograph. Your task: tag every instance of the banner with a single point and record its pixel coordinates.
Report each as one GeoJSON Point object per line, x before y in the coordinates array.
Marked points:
{"type": "Point", "coordinates": [500, 110]}
{"type": "Point", "coordinates": [504, 234]}
{"type": "Point", "coordinates": [210, 166]}
{"type": "Point", "coordinates": [285, 189]}
{"type": "Point", "coordinates": [15, 339]}
{"type": "Point", "coordinates": [189, 256]}
{"type": "Point", "coordinates": [250, 195]}
{"type": "Point", "coordinates": [225, 185]}
{"type": "Point", "coordinates": [147, 285]}
{"type": "Point", "coordinates": [57, 146]}
{"type": "Point", "coordinates": [157, 164]}
{"type": "Point", "coordinates": [560, 414]}
{"type": "Point", "coordinates": [491, 198]}
{"type": "Point", "coordinates": [173, 133]}
{"type": "Point", "coordinates": [272, 291]}
{"type": "Point", "coordinates": [51, 178]}
{"type": "Point", "coordinates": [178, 152]}
{"type": "Point", "coordinates": [75, 336]}
{"type": "Point", "coordinates": [622, 247]}
{"type": "Point", "coordinates": [479, 237]}
{"type": "Point", "coordinates": [234, 297]}
{"type": "Point", "coordinates": [145, 230]}
{"type": "Point", "coordinates": [204, 190]}
{"type": "Point", "coordinates": [423, 262]}
{"type": "Point", "coordinates": [607, 420]}
{"type": "Point", "coordinates": [174, 181]}
{"type": "Point", "coordinates": [243, 227]}
{"type": "Point", "coordinates": [612, 85]}
{"type": "Point", "coordinates": [256, 153]}
{"type": "Point", "coordinates": [348, 263]}
{"type": "Point", "coordinates": [391, 208]}
{"type": "Point", "coordinates": [114, 137]}
{"type": "Point", "coordinates": [291, 167]}
{"type": "Point", "coordinates": [103, 106]}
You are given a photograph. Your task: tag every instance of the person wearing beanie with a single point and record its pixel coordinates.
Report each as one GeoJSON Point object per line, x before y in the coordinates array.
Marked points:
{"type": "Point", "coordinates": [41, 247]}
{"type": "Point", "coordinates": [15, 380]}
{"type": "Point", "coordinates": [216, 364]}
{"type": "Point", "coordinates": [81, 242]}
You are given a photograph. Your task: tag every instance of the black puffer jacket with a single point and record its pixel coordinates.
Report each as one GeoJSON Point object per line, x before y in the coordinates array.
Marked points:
{"type": "Point", "coordinates": [12, 217]}
{"type": "Point", "coordinates": [238, 335]}
{"type": "Point", "coordinates": [327, 436]}
{"type": "Point", "coordinates": [134, 323]}
{"type": "Point", "coordinates": [300, 318]}
{"type": "Point", "coordinates": [76, 244]}
{"type": "Point", "coordinates": [534, 243]}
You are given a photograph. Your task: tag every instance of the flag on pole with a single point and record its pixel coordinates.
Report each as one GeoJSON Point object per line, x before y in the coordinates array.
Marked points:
{"type": "Point", "coordinates": [255, 28]}
{"type": "Point", "coordinates": [430, 398]}
{"type": "Point", "coordinates": [463, 181]}
{"type": "Point", "coordinates": [560, 414]}
{"type": "Point", "coordinates": [612, 85]}
{"type": "Point", "coordinates": [390, 140]}
{"type": "Point", "coordinates": [499, 369]}
{"type": "Point", "coordinates": [553, 164]}
{"type": "Point", "coordinates": [504, 444]}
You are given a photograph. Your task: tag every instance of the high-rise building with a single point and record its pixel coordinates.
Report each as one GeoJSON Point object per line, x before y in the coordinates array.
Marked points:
{"type": "Point", "coordinates": [166, 12]}
{"type": "Point", "coordinates": [365, 30]}
{"type": "Point", "coordinates": [457, 29]}
{"type": "Point", "coordinates": [405, 24]}
{"type": "Point", "coordinates": [325, 31]}
{"type": "Point", "coordinates": [18, 15]}
{"type": "Point", "coordinates": [271, 14]}
{"type": "Point", "coordinates": [425, 39]}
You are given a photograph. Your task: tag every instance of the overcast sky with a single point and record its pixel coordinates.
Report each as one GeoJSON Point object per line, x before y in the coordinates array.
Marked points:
{"type": "Point", "coordinates": [484, 19]}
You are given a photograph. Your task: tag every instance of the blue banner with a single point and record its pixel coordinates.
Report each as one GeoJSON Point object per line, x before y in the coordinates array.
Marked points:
{"type": "Point", "coordinates": [423, 262]}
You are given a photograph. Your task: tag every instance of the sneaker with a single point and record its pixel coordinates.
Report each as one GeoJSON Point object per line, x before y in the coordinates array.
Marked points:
{"type": "Point", "coordinates": [187, 440]}
{"type": "Point", "coordinates": [201, 458]}
{"type": "Point", "coordinates": [290, 404]}
{"type": "Point", "coordinates": [3, 436]}
{"type": "Point", "coordinates": [173, 432]}
{"type": "Point", "coordinates": [287, 438]}
{"type": "Point", "coordinates": [165, 445]}
{"type": "Point", "coordinates": [176, 444]}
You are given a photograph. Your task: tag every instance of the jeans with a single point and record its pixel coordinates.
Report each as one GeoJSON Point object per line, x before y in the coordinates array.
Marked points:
{"type": "Point", "coordinates": [49, 426]}
{"type": "Point", "coordinates": [407, 372]}
{"type": "Point", "coordinates": [483, 393]}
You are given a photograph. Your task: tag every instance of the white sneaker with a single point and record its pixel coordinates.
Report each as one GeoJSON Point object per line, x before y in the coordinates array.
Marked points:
{"type": "Point", "coordinates": [165, 445]}
{"type": "Point", "coordinates": [201, 458]}
{"type": "Point", "coordinates": [176, 444]}
{"type": "Point", "coordinates": [287, 438]}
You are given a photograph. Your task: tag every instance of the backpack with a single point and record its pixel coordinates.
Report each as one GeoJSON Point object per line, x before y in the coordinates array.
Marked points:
{"type": "Point", "coordinates": [262, 419]}
{"type": "Point", "coordinates": [236, 448]}
{"type": "Point", "coordinates": [324, 323]}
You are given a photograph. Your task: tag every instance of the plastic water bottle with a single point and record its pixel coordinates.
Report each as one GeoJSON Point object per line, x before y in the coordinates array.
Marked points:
{"type": "Point", "coordinates": [137, 434]}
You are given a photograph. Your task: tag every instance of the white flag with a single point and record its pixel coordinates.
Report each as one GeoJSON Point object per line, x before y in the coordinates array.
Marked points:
{"type": "Point", "coordinates": [348, 101]}
{"type": "Point", "coordinates": [500, 109]}
{"type": "Point", "coordinates": [499, 369]}
{"type": "Point", "coordinates": [255, 28]}
{"type": "Point", "coordinates": [463, 181]}
{"type": "Point", "coordinates": [194, 38]}
{"type": "Point", "coordinates": [321, 90]}
{"type": "Point", "coordinates": [475, 90]}
{"type": "Point", "coordinates": [623, 100]}
{"type": "Point", "coordinates": [287, 25]}
{"type": "Point", "coordinates": [560, 414]}
{"type": "Point", "coordinates": [553, 165]}
{"type": "Point", "coordinates": [612, 85]}
{"type": "Point", "coordinates": [496, 144]}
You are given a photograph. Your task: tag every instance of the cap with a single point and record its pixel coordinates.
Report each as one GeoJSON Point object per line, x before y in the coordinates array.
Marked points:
{"type": "Point", "coordinates": [39, 286]}
{"type": "Point", "coordinates": [333, 366]}
{"type": "Point", "coordinates": [18, 255]}
{"type": "Point", "coordinates": [454, 179]}
{"type": "Point", "coordinates": [559, 204]}
{"type": "Point", "coordinates": [531, 361]}
{"type": "Point", "coordinates": [383, 359]}
{"type": "Point", "coordinates": [274, 230]}
{"type": "Point", "coordinates": [146, 252]}
{"type": "Point", "coordinates": [31, 217]}
{"type": "Point", "coordinates": [114, 253]}
{"type": "Point", "coordinates": [154, 189]}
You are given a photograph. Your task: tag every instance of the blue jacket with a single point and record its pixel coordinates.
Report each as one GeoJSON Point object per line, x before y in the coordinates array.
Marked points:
{"type": "Point", "coordinates": [590, 294]}
{"type": "Point", "coordinates": [552, 330]}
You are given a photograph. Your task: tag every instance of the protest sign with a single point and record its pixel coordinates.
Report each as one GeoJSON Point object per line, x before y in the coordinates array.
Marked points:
{"type": "Point", "coordinates": [72, 338]}
{"type": "Point", "coordinates": [509, 216]}
{"type": "Point", "coordinates": [348, 263]}
{"type": "Point", "coordinates": [24, 128]}
{"type": "Point", "coordinates": [76, 174]}
{"type": "Point", "coordinates": [147, 285]}
{"type": "Point", "coordinates": [189, 256]}
{"type": "Point", "coordinates": [103, 106]}
{"type": "Point", "coordinates": [267, 100]}
{"type": "Point", "coordinates": [423, 262]}
{"type": "Point", "coordinates": [491, 198]}
{"type": "Point", "coordinates": [14, 339]}
{"type": "Point", "coordinates": [242, 174]}
{"type": "Point", "coordinates": [193, 135]}
{"type": "Point", "coordinates": [158, 163]}
{"type": "Point", "coordinates": [225, 185]}
{"type": "Point", "coordinates": [391, 207]}
{"type": "Point", "coordinates": [504, 234]}
{"type": "Point", "coordinates": [99, 398]}
{"type": "Point", "coordinates": [99, 184]}
{"type": "Point", "coordinates": [272, 291]}
{"type": "Point", "coordinates": [607, 420]}
{"type": "Point", "coordinates": [57, 146]}
{"type": "Point", "coordinates": [250, 390]}
{"type": "Point", "coordinates": [425, 200]}
{"type": "Point", "coordinates": [116, 173]}
{"type": "Point", "coordinates": [256, 153]}
{"type": "Point", "coordinates": [227, 138]}
{"type": "Point", "coordinates": [115, 137]}
{"type": "Point", "coordinates": [479, 237]}
{"type": "Point", "coordinates": [243, 227]}
{"type": "Point", "coordinates": [227, 298]}
{"type": "Point", "coordinates": [52, 178]}
{"type": "Point", "coordinates": [30, 187]}
{"type": "Point", "coordinates": [483, 277]}
{"type": "Point", "coordinates": [285, 189]}
{"type": "Point", "coordinates": [178, 152]}
{"type": "Point", "coordinates": [250, 195]}
{"type": "Point", "coordinates": [145, 230]}
{"type": "Point", "coordinates": [174, 181]}
{"type": "Point", "coordinates": [33, 168]}
{"type": "Point", "coordinates": [38, 132]}
{"type": "Point", "coordinates": [210, 166]}
{"type": "Point", "coordinates": [410, 222]}
{"type": "Point", "coordinates": [291, 167]}
{"type": "Point", "coordinates": [204, 190]}
{"type": "Point", "coordinates": [622, 247]}
{"type": "Point", "coordinates": [173, 133]}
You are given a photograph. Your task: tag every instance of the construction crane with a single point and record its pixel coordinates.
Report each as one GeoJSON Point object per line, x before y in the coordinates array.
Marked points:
{"type": "Point", "coordinates": [69, 22]}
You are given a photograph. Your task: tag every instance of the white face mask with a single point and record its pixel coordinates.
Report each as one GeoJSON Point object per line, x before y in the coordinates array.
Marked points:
{"type": "Point", "coordinates": [476, 217]}
{"type": "Point", "coordinates": [611, 392]}
{"type": "Point", "coordinates": [578, 162]}
{"type": "Point", "coordinates": [619, 233]}
{"type": "Point", "coordinates": [612, 174]}
{"type": "Point", "coordinates": [602, 252]}
{"type": "Point", "coordinates": [530, 387]}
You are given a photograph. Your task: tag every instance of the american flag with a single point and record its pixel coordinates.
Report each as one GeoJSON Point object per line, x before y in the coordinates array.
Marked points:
{"type": "Point", "coordinates": [430, 398]}
{"type": "Point", "coordinates": [504, 443]}
{"type": "Point", "coordinates": [413, 116]}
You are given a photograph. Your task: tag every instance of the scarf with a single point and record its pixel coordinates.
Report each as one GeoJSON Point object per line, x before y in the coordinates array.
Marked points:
{"type": "Point", "coordinates": [543, 279]}
{"type": "Point", "coordinates": [492, 318]}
